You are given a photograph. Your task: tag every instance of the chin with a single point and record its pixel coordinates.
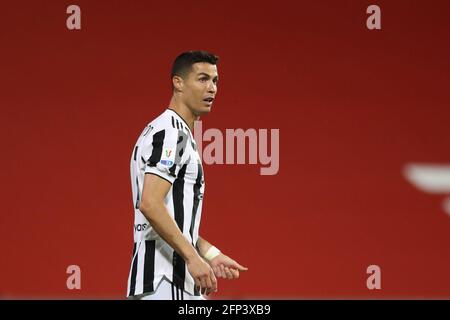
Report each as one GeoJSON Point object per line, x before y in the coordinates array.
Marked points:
{"type": "Point", "coordinates": [203, 110]}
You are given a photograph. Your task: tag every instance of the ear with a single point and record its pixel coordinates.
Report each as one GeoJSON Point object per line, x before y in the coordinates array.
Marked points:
{"type": "Point", "coordinates": [178, 83]}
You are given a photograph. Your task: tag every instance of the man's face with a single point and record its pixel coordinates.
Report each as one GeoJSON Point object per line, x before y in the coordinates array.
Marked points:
{"type": "Point", "coordinates": [200, 88]}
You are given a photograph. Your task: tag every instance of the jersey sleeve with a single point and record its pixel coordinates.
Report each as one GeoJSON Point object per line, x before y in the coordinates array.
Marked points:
{"type": "Point", "coordinates": [166, 153]}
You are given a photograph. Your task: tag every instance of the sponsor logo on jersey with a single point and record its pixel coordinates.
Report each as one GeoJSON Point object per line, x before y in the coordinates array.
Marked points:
{"type": "Point", "coordinates": [167, 163]}
{"type": "Point", "coordinates": [140, 227]}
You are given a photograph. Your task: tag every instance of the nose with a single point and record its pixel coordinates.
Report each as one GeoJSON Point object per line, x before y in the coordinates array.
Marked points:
{"type": "Point", "coordinates": [212, 87]}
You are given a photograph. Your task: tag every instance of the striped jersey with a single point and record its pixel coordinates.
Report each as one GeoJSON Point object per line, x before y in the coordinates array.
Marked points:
{"type": "Point", "coordinates": [165, 148]}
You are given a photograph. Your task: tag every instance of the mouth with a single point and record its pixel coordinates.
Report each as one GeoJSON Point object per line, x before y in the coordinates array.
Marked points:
{"type": "Point", "coordinates": [209, 100]}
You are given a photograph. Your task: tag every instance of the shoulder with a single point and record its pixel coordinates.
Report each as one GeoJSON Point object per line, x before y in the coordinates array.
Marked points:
{"type": "Point", "coordinates": [161, 125]}
{"type": "Point", "coordinates": [162, 122]}
{"type": "Point", "coordinates": [170, 124]}
{"type": "Point", "coordinates": [169, 121]}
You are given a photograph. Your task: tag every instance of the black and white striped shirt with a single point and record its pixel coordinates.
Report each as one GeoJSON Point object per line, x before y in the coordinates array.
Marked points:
{"type": "Point", "coordinates": [165, 148]}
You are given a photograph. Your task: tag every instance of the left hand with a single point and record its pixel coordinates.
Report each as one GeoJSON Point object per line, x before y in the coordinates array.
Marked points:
{"type": "Point", "coordinates": [225, 267]}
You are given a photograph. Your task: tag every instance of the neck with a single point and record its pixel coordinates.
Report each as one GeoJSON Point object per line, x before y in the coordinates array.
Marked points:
{"type": "Point", "coordinates": [183, 111]}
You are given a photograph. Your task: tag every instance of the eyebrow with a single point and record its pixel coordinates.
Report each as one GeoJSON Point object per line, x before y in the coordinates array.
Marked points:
{"type": "Point", "coordinates": [205, 74]}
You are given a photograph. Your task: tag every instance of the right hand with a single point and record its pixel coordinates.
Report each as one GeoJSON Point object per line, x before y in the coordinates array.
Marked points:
{"type": "Point", "coordinates": [203, 275]}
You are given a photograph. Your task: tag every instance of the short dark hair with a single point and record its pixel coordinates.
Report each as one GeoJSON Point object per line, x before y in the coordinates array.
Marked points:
{"type": "Point", "coordinates": [183, 63]}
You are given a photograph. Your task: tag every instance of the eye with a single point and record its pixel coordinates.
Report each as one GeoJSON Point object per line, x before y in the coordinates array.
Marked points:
{"type": "Point", "coordinates": [203, 79]}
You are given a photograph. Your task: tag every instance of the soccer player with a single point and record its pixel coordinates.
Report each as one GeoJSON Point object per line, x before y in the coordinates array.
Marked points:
{"type": "Point", "coordinates": [170, 259]}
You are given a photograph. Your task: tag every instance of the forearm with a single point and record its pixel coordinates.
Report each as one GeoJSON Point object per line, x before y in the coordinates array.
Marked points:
{"type": "Point", "coordinates": [166, 227]}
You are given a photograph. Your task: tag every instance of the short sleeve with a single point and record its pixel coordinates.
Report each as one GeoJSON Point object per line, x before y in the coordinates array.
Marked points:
{"type": "Point", "coordinates": [166, 153]}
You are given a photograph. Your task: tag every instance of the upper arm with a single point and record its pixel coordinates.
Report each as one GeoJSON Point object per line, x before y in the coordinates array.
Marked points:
{"type": "Point", "coordinates": [154, 190]}
{"type": "Point", "coordinates": [164, 155]}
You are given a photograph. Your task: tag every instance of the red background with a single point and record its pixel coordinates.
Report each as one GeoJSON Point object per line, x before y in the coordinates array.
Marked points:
{"type": "Point", "coordinates": [353, 107]}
